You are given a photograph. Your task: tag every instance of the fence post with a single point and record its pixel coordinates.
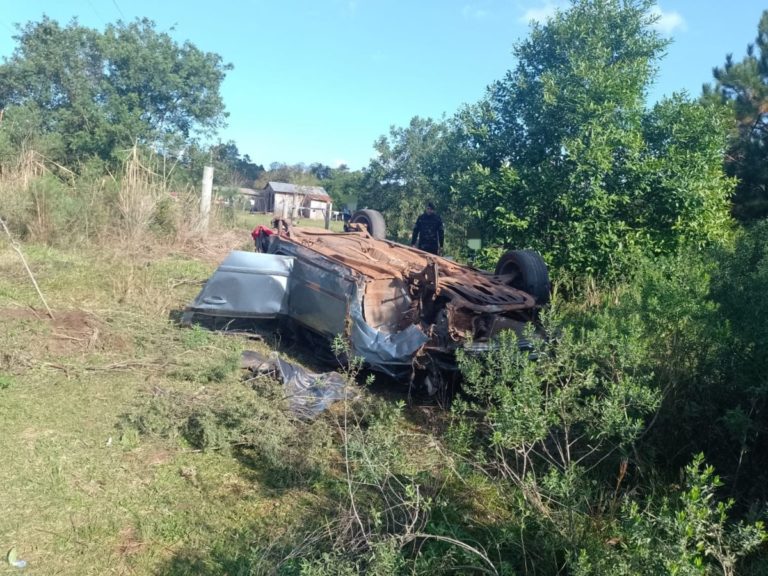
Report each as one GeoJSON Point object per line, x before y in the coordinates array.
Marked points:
{"type": "Point", "coordinates": [205, 198]}
{"type": "Point", "coordinates": [328, 207]}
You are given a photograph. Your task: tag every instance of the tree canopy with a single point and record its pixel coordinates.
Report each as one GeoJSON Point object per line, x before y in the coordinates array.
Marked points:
{"type": "Point", "coordinates": [82, 93]}
{"type": "Point", "coordinates": [562, 154]}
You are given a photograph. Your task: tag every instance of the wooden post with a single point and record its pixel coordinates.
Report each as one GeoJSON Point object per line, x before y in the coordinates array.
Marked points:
{"type": "Point", "coordinates": [205, 198]}
{"type": "Point", "coordinates": [328, 207]}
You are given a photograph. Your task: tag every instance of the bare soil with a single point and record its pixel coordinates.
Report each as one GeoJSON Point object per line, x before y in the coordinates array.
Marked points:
{"type": "Point", "coordinates": [69, 331]}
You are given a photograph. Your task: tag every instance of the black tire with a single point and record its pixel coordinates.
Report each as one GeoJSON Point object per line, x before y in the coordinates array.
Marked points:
{"type": "Point", "coordinates": [529, 273]}
{"type": "Point", "coordinates": [373, 220]}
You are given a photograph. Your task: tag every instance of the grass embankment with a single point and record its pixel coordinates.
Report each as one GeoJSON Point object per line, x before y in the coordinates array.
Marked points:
{"type": "Point", "coordinates": [98, 476]}
{"type": "Point", "coordinates": [132, 445]}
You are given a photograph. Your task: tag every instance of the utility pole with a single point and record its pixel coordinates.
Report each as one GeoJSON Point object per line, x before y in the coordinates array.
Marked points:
{"type": "Point", "coordinates": [205, 198]}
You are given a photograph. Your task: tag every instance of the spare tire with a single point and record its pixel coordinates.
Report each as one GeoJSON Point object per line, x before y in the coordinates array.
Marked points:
{"type": "Point", "coordinates": [528, 273]}
{"type": "Point", "coordinates": [373, 220]}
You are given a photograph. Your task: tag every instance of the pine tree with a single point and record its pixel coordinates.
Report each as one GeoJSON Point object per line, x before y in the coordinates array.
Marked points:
{"type": "Point", "coordinates": [744, 87]}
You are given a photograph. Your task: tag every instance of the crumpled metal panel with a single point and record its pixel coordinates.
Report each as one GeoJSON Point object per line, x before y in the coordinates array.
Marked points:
{"type": "Point", "coordinates": [320, 290]}
{"type": "Point", "coordinates": [389, 353]}
{"type": "Point", "coordinates": [387, 304]}
{"type": "Point", "coordinates": [247, 285]}
{"type": "Point", "coordinates": [319, 285]}
{"type": "Point", "coordinates": [381, 259]}
{"type": "Point", "coordinates": [319, 297]}
{"type": "Point", "coordinates": [307, 287]}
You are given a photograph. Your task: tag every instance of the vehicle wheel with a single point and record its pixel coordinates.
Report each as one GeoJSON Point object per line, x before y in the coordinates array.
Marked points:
{"type": "Point", "coordinates": [373, 220]}
{"type": "Point", "coordinates": [528, 273]}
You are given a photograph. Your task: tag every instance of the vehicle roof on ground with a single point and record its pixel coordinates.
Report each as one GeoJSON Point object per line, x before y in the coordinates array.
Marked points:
{"type": "Point", "coordinates": [381, 259]}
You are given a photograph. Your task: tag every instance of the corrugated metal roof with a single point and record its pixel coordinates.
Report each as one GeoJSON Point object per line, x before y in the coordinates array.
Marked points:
{"type": "Point", "coordinates": [285, 188]}
{"type": "Point", "coordinates": [318, 197]}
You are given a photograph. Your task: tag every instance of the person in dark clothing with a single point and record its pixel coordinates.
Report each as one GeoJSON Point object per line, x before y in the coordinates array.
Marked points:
{"type": "Point", "coordinates": [260, 237]}
{"type": "Point", "coordinates": [428, 232]}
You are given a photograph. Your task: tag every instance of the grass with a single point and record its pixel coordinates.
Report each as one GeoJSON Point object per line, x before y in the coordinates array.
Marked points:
{"type": "Point", "coordinates": [132, 445]}
{"type": "Point", "coordinates": [98, 477]}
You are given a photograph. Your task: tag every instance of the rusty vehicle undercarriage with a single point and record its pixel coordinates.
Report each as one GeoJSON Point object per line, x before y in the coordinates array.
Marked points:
{"type": "Point", "coordinates": [404, 311]}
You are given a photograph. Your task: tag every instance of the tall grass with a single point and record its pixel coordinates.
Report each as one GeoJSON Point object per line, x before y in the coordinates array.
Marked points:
{"type": "Point", "coordinates": [21, 204]}
{"type": "Point", "coordinates": [138, 195]}
{"type": "Point", "coordinates": [46, 203]}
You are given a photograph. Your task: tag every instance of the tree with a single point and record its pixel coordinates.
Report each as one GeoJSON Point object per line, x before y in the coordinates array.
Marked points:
{"type": "Point", "coordinates": [562, 155]}
{"type": "Point", "coordinates": [233, 169]}
{"type": "Point", "coordinates": [103, 92]}
{"type": "Point", "coordinates": [575, 166]}
{"type": "Point", "coordinates": [413, 165]}
{"type": "Point", "coordinates": [744, 87]}
{"type": "Point", "coordinates": [398, 179]}
{"type": "Point", "coordinates": [320, 171]}
{"type": "Point", "coordinates": [343, 185]}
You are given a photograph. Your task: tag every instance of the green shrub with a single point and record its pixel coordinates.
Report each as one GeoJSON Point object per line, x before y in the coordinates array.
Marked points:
{"type": "Point", "coordinates": [700, 320]}
{"type": "Point", "coordinates": [165, 218]}
{"type": "Point", "coordinates": [687, 532]}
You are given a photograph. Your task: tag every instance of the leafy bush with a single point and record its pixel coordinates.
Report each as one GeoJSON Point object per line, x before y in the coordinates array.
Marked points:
{"type": "Point", "coordinates": [551, 429]}
{"type": "Point", "coordinates": [686, 533]}
{"type": "Point", "coordinates": [699, 322]}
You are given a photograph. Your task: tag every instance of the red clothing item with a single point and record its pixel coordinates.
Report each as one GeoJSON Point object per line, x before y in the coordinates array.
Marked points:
{"type": "Point", "coordinates": [261, 230]}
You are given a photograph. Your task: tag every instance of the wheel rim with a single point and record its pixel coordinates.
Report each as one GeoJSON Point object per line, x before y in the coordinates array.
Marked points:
{"type": "Point", "coordinates": [510, 269]}
{"type": "Point", "coordinates": [364, 221]}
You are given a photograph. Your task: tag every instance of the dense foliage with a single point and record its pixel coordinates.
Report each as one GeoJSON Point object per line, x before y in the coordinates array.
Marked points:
{"type": "Point", "coordinates": [74, 93]}
{"type": "Point", "coordinates": [645, 375]}
{"type": "Point", "coordinates": [562, 155]}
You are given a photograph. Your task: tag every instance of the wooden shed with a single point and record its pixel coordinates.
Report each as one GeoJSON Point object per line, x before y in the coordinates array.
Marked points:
{"type": "Point", "coordinates": [296, 200]}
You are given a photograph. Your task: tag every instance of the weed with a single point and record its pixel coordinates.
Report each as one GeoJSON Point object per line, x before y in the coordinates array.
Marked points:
{"type": "Point", "coordinates": [162, 415]}
{"type": "Point", "coordinates": [211, 364]}
{"type": "Point", "coordinates": [196, 337]}
{"type": "Point", "coordinates": [6, 381]}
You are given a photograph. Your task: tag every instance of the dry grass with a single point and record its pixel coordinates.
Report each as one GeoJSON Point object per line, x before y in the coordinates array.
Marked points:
{"type": "Point", "coordinates": [46, 203]}
{"type": "Point", "coordinates": [19, 201]}
{"type": "Point", "coordinates": [138, 194]}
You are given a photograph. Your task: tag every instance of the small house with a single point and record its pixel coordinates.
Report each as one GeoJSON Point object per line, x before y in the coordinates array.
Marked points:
{"type": "Point", "coordinates": [296, 200]}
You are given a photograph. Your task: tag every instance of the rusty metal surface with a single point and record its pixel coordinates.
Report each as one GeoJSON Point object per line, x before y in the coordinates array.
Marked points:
{"type": "Point", "coordinates": [379, 260]}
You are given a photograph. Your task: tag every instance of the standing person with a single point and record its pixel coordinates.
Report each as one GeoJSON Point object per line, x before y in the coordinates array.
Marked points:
{"type": "Point", "coordinates": [428, 232]}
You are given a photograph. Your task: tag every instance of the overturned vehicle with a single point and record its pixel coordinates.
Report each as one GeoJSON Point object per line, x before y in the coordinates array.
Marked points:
{"type": "Point", "coordinates": [404, 311]}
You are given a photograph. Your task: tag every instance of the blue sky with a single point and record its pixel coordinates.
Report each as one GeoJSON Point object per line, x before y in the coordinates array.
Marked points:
{"type": "Point", "coordinates": [320, 80]}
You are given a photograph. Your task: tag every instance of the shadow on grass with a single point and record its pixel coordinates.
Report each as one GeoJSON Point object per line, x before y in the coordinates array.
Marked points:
{"type": "Point", "coordinates": [277, 476]}
{"type": "Point", "coordinates": [231, 554]}
{"type": "Point", "coordinates": [312, 537]}
{"type": "Point", "coordinates": [284, 337]}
